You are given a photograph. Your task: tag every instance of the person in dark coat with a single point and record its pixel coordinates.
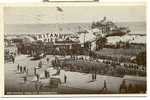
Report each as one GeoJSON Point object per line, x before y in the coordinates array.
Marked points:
{"type": "Point", "coordinates": [65, 78]}
{"type": "Point", "coordinates": [45, 72]}
{"type": "Point", "coordinates": [13, 59]}
{"type": "Point", "coordinates": [105, 85]}
{"type": "Point", "coordinates": [94, 72]}
{"type": "Point", "coordinates": [34, 71]}
{"type": "Point", "coordinates": [92, 77]}
{"type": "Point", "coordinates": [18, 67]}
{"type": "Point", "coordinates": [24, 69]}
{"type": "Point", "coordinates": [95, 76]}
{"type": "Point", "coordinates": [40, 64]}
{"type": "Point", "coordinates": [25, 79]}
{"type": "Point", "coordinates": [47, 60]}
{"type": "Point", "coordinates": [48, 74]}
{"type": "Point", "coordinates": [21, 69]}
{"type": "Point", "coordinates": [123, 87]}
{"type": "Point", "coordinates": [38, 77]}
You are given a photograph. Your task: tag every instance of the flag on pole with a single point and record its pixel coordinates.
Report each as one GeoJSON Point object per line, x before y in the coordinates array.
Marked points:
{"type": "Point", "coordinates": [59, 9]}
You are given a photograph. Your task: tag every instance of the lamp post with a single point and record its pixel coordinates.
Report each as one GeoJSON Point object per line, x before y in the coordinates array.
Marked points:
{"type": "Point", "coordinates": [60, 10]}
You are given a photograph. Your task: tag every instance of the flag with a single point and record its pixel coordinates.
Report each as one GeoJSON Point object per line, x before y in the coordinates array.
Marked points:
{"type": "Point", "coordinates": [59, 9]}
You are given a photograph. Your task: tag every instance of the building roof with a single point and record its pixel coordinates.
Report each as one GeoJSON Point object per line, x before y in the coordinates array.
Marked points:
{"type": "Point", "coordinates": [127, 38]}
{"type": "Point", "coordinates": [28, 39]}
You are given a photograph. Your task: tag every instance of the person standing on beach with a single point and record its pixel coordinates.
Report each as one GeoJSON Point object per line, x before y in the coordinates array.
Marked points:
{"type": "Point", "coordinates": [47, 60]}
{"type": "Point", "coordinates": [38, 77]}
{"type": "Point", "coordinates": [24, 69]}
{"type": "Point", "coordinates": [95, 76]}
{"type": "Point", "coordinates": [40, 64]}
{"type": "Point", "coordinates": [27, 71]}
{"type": "Point", "coordinates": [21, 69]}
{"type": "Point", "coordinates": [65, 78]}
{"type": "Point", "coordinates": [45, 73]}
{"type": "Point", "coordinates": [34, 71]}
{"type": "Point", "coordinates": [92, 77]}
{"type": "Point", "coordinates": [105, 86]}
{"type": "Point", "coordinates": [25, 78]}
{"type": "Point", "coordinates": [13, 59]}
{"type": "Point", "coordinates": [18, 67]}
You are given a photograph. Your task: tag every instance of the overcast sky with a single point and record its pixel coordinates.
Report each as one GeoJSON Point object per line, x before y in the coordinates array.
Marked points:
{"type": "Point", "coordinates": [72, 14]}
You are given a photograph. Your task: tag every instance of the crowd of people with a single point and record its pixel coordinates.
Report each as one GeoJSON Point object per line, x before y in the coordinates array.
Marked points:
{"type": "Point", "coordinates": [109, 57]}
{"type": "Point", "coordinates": [22, 69]}
{"type": "Point", "coordinates": [102, 66]}
{"type": "Point", "coordinates": [87, 64]}
{"type": "Point", "coordinates": [37, 75]}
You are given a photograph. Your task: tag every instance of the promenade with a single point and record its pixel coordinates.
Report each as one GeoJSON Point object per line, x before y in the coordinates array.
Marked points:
{"type": "Point", "coordinates": [14, 81]}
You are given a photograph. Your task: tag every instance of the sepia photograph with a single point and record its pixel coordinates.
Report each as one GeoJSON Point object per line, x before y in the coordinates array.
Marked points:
{"type": "Point", "coordinates": [80, 49]}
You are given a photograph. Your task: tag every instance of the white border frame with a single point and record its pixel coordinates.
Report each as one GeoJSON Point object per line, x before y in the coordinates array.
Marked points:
{"type": "Point", "coordinates": [62, 4]}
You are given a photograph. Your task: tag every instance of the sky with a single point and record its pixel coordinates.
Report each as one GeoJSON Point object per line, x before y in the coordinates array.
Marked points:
{"type": "Point", "coordinates": [72, 14]}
